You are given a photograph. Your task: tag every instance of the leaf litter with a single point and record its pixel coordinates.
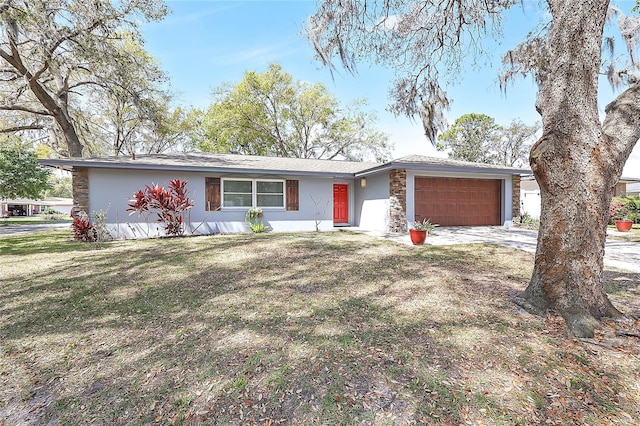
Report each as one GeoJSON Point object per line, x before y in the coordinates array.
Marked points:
{"type": "Point", "coordinates": [331, 328]}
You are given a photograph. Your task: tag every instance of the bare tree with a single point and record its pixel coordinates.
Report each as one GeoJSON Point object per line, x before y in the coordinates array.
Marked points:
{"type": "Point", "coordinates": [515, 142]}
{"type": "Point", "coordinates": [51, 50]}
{"type": "Point", "coordinates": [577, 161]}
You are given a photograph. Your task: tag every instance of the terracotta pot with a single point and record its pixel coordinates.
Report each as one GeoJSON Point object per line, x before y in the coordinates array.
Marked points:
{"type": "Point", "coordinates": [418, 236]}
{"type": "Point", "coordinates": [624, 225]}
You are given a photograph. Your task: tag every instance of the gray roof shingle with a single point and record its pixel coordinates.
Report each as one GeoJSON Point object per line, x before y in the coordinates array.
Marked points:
{"type": "Point", "coordinates": [209, 162]}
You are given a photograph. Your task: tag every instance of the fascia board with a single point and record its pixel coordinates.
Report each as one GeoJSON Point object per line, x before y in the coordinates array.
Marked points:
{"type": "Point", "coordinates": [68, 164]}
{"type": "Point", "coordinates": [442, 168]}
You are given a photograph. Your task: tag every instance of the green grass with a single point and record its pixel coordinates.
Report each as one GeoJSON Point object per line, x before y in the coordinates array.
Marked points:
{"type": "Point", "coordinates": [317, 328]}
{"type": "Point", "coordinates": [31, 220]}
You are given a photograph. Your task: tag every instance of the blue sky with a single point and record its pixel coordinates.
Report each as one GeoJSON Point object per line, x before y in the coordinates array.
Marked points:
{"type": "Point", "coordinates": [204, 43]}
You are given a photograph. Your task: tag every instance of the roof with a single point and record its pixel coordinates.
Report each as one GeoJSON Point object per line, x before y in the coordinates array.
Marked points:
{"type": "Point", "coordinates": [49, 201]}
{"type": "Point", "coordinates": [219, 163]}
{"type": "Point", "coordinates": [421, 162]}
{"type": "Point", "coordinates": [208, 162]}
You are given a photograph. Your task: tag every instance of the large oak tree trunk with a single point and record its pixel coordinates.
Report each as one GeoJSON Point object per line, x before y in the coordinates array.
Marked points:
{"type": "Point", "coordinates": [577, 165]}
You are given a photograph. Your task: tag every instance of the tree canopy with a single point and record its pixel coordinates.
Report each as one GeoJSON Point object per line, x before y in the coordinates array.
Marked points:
{"type": "Point", "coordinates": [478, 138]}
{"type": "Point", "coordinates": [271, 114]}
{"type": "Point", "coordinates": [60, 186]}
{"type": "Point", "coordinates": [59, 57]}
{"type": "Point", "coordinates": [20, 174]}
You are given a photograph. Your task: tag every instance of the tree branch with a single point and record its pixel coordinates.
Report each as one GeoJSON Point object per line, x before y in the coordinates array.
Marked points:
{"type": "Point", "coordinates": [24, 109]}
{"type": "Point", "coordinates": [622, 122]}
{"type": "Point", "coordinates": [21, 128]}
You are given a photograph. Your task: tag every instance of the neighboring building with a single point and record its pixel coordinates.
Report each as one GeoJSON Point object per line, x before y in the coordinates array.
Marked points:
{"type": "Point", "coordinates": [633, 189]}
{"type": "Point", "coordinates": [530, 192]}
{"type": "Point", "coordinates": [27, 207]}
{"type": "Point", "coordinates": [530, 196]}
{"type": "Point", "coordinates": [622, 186]}
{"type": "Point", "coordinates": [298, 194]}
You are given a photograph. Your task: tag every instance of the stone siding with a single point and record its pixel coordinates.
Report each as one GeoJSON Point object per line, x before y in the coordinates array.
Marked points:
{"type": "Point", "coordinates": [515, 198]}
{"type": "Point", "coordinates": [80, 184]}
{"type": "Point", "coordinates": [398, 201]}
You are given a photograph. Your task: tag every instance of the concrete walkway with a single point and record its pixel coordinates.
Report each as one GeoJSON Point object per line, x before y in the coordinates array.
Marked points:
{"type": "Point", "coordinates": [618, 254]}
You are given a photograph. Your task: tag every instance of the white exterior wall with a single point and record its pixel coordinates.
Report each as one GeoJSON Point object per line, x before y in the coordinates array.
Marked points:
{"type": "Point", "coordinates": [112, 188]}
{"type": "Point", "coordinates": [507, 193]}
{"type": "Point", "coordinates": [372, 203]}
{"type": "Point", "coordinates": [530, 198]}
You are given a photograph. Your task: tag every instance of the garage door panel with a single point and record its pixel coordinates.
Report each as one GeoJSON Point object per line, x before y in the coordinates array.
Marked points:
{"type": "Point", "coordinates": [458, 202]}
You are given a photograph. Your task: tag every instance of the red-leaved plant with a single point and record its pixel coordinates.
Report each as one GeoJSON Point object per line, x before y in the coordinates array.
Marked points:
{"type": "Point", "coordinates": [83, 230]}
{"type": "Point", "coordinates": [169, 204]}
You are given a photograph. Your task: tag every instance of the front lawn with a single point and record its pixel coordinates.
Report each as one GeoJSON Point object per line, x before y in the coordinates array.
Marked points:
{"type": "Point", "coordinates": [31, 220]}
{"type": "Point", "coordinates": [313, 328]}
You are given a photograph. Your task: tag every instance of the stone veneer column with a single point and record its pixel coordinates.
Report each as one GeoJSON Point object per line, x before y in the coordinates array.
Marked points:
{"type": "Point", "coordinates": [398, 200]}
{"type": "Point", "coordinates": [80, 184]}
{"type": "Point", "coordinates": [515, 198]}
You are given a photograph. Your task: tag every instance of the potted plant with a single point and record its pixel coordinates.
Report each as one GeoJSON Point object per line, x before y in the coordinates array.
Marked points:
{"type": "Point", "coordinates": [624, 225]}
{"type": "Point", "coordinates": [420, 230]}
{"type": "Point", "coordinates": [619, 209]}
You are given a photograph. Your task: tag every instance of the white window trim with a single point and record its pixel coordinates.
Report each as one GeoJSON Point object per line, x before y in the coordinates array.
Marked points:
{"type": "Point", "coordinates": [254, 193]}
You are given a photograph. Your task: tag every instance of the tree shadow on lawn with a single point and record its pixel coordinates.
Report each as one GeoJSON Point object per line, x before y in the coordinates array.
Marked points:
{"type": "Point", "coordinates": [300, 329]}
{"type": "Point", "coordinates": [46, 242]}
{"type": "Point", "coordinates": [623, 289]}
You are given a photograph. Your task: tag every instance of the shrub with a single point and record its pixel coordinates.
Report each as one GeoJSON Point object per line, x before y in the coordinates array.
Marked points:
{"type": "Point", "coordinates": [618, 209]}
{"type": "Point", "coordinates": [168, 204]}
{"type": "Point", "coordinates": [100, 225]}
{"type": "Point", "coordinates": [50, 214]}
{"type": "Point", "coordinates": [83, 230]}
{"type": "Point", "coordinates": [529, 221]}
{"type": "Point", "coordinates": [624, 207]}
{"type": "Point", "coordinates": [50, 210]}
{"type": "Point", "coordinates": [253, 217]}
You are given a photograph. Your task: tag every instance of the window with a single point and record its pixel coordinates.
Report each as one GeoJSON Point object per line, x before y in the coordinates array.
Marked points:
{"type": "Point", "coordinates": [269, 194]}
{"type": "Point", "coordinates": [237, 193]}
{"type": "Point", "coordinates": [253, 193]}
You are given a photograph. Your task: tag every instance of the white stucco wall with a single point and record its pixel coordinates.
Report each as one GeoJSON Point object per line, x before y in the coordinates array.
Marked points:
{"type": "Point", "coordinates": [372, 203]}
{"type": "Point", "coordinates": [530, 197]}
{"type": "Point", "coordinates": [111, 189]}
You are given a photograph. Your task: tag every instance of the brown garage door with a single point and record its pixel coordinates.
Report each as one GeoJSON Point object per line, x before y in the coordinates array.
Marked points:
{"type": "Point", "coordinates": [458, 202]}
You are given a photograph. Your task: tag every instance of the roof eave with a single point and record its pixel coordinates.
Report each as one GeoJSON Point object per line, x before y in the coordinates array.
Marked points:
{"type": "Point", "coordinates": [442, 168]}
{"type": "Point", "coordinates": [70, 164]}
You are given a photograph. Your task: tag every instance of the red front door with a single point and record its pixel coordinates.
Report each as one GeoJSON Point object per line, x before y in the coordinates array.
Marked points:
{"type": "Point", "coordinates": [340, 203]}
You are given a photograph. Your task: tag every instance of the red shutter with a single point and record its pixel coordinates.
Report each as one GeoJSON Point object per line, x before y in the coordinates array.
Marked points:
{"type": "Point", "coordinates": [212, 190]}
{"type": "Point", "coordinates": [293, 203]}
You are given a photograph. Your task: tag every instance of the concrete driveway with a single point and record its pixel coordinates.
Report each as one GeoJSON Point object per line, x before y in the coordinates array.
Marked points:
{"type": "Point", "coordinates": [618, 254]}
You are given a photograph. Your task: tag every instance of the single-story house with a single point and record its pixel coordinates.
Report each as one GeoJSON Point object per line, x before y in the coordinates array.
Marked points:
{"type": "Point", "coordinates": [301, 194]}
{"type": "Point", "coordinates": [28, 207]}
{"type": "Point", "coordinates": [530, 193]}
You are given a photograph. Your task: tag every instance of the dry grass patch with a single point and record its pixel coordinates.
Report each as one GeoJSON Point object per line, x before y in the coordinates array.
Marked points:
{"type": "Point", "coordinates": [328, 328]}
